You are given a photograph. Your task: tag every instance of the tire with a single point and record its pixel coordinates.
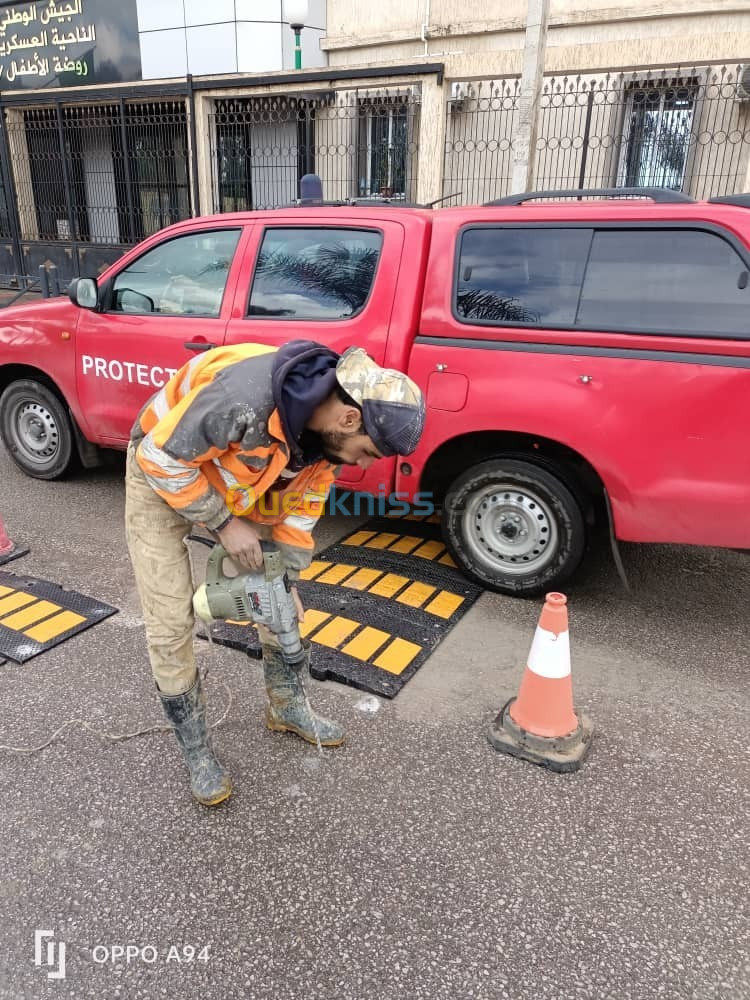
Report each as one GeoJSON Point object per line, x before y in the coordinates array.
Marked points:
{"type": "Point", "coordinates": [36, 429]}
{"type": "Point", "coordinates": [514, 527]}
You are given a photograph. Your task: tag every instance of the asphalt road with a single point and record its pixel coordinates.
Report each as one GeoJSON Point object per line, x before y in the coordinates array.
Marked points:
{"type": "Point", "coordinates": [413, 862]}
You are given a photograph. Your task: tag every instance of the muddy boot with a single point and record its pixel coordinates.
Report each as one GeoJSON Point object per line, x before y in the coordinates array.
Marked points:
{"type": "Point", "coordinates": [287, 708]}
{"type": "Point", "coordinates": [209, 782]}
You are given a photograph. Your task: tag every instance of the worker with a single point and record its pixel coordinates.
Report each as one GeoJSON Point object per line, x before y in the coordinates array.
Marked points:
{"type": "Point", "coordinates": [245, 441]}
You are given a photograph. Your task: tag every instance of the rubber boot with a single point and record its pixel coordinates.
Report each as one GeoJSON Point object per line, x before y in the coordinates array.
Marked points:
{"type": "Point", "coordinates": [287, 707]}
{"type": "Point", "coordinates": [209, 782]}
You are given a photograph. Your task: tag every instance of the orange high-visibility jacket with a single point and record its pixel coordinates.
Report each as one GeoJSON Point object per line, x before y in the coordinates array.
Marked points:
{"type": "Point", "coordinates": [211, 443]}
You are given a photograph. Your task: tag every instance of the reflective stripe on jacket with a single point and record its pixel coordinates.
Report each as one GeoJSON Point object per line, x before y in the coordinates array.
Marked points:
{"type": "Point", "coordinates": [211, 442]}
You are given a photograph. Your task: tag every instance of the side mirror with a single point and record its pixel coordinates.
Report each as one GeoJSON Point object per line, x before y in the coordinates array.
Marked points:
{"type": "Point", "coordinates": [84, 293]}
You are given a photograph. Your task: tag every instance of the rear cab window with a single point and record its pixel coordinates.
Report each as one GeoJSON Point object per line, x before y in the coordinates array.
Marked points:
{"type": "Point", "coordinates": [650, 278]}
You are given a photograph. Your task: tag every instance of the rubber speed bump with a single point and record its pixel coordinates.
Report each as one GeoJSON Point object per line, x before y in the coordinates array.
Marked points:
{"type": "Point", "coordinates": [376, 605]}
{"type": "Point", "coordinates": [36, 615]}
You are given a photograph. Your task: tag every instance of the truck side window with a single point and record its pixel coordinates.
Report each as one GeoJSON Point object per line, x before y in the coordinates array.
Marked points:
{"type": "Point", "coordinates": [529, 276]}
{"type": "Point", "coordinates": [184, 276]}
{"type": "Point", "coordinates": [665, 280]}
{"type": "Point", "coordinates": [307, 273]}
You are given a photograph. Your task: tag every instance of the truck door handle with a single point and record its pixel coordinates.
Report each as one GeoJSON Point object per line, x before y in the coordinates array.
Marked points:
{"type": "Point", "coordinates": [198, 345]}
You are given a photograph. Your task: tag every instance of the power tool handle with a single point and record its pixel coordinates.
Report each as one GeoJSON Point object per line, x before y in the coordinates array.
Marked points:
{"type": "Point", "coordinates": [218, 554]}
{"type": "Point", "coordinates": [216, 558]}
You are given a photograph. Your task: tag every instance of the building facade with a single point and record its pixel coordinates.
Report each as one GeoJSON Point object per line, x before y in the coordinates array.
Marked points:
{"type": "Point", "coordinates": [118, 117]}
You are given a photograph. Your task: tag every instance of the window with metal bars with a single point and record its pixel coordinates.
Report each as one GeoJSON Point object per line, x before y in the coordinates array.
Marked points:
{"type": "Point", "coordinates": [263, 146]}
{"type": "Point", "coordinates": [383, 148]}
{"type": "Point", "coordinates": [123, 175]}
{"type": "Point", "coordinates": [657, 132]}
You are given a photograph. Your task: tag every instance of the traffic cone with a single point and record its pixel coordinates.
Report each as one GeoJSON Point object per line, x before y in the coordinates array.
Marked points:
{"type": "Point", "coordinates": [540, 725]}
{"type": "Point", "coordinates": [6, 545]}
{"type": "Point", "coordinates": [8, 548]}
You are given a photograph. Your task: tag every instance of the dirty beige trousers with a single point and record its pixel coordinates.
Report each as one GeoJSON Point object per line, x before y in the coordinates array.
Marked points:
{"type": "Point", "coordinates": [161, 563]}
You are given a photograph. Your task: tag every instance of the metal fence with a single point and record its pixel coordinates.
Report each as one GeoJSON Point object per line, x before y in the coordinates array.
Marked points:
{"type": "Point", "coordinates": [362, 144]}
{"type": "Point", "coordinates": [89, 180]}
{"type": "Point", "coordinates": [686, 129]}
{"type": "Point", "coordinates": [82, 180]}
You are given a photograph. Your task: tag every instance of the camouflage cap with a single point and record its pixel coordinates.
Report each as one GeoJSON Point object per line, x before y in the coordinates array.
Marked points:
{"type": "Point", "coordinates": [392, 405]}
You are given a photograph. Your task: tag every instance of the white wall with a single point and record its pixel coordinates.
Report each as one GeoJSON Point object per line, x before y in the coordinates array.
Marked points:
{"type": "Point", "coordinates": [223, 36]}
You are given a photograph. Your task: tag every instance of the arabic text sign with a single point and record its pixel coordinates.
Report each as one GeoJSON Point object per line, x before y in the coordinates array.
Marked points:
{"type": "Point", "coordinates": [51, 42]}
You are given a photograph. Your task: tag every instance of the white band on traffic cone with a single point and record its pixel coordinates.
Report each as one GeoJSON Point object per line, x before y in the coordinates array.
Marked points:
{"type": "Point", "coordinates": [550, 654]}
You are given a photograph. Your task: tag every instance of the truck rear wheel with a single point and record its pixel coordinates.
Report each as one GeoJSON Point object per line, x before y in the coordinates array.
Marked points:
{"type": "Point", "coordinates": [514, 527]}
{"type": "Point", "coordinates": [36, 429]}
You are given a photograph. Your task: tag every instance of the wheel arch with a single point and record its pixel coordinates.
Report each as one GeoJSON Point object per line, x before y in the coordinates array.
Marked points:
{"type": "Point", "coordinates": [458, 454]}
{"type": "Point", "coordinates": [87, 452]}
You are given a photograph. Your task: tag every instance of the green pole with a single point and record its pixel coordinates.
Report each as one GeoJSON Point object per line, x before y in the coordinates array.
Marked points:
{"type": "Point", "coordinates": [297, 48]}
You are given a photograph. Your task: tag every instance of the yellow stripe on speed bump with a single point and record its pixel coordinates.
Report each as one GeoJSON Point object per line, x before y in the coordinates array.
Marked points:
{"type": "Point", "coordinates": [406, 544]}
{"type": "Point", "coordinates": [315, 567]}
{"type": "Point", "coordinates": [381, 541]}
{"type": "Point", "coordinates": [363, 578]}
{"type": "Point", "coordinates": [397, 656]}
{"type": "Point", "coordinates": [30, 614]}
{"type": "Point", "coordinates": [313, 618]}
{"type": "Point", "coordinates": [336, 573]}
{"type": "Point", "coordinates": [367, 642]}
{"type": "Point", "coordinates": [53, 627]}
{"type": "Point", "coordinates": [445, 604]}
{"type": "Point", "coordinates": [5, 590]}
{"type": "Point", "coordinates": [416, 594]}
{"type": "Point", "coordinates": [429, 550]}
{"type": "Point", "coordinates": [389, 585]}
{"type": "Point", "coordinates": [16, 599]}
{"type": "Point", "coordinates": [335, 631]}
{"type": "Point", "coordinates": [358, 538]}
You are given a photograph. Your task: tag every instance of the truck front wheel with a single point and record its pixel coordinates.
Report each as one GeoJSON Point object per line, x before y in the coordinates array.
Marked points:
{"type": "Point", "coordinates": [36, 429]}
{"type": "Point", "coordinates": [514, 527]}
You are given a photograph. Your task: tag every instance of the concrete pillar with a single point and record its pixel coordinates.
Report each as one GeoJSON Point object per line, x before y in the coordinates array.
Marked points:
{"type": "Point", "coordinates": [205, 152]}
{"type": "Point", "coordinates": [431, 156]}
{"type": "Point", "coordinates": [21, 166]}
{"type": "Point", "coordinates": [525, 133]}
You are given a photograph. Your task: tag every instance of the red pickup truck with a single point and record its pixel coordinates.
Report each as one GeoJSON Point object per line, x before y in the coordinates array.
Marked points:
{"type": "Point", "coordinates": [583, 360]}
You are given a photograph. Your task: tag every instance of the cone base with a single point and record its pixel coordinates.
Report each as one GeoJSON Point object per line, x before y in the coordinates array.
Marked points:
{"type": "Point", "coordinates": [15, 553]}
{"type": "Point", "coordinates": [557, 753]}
